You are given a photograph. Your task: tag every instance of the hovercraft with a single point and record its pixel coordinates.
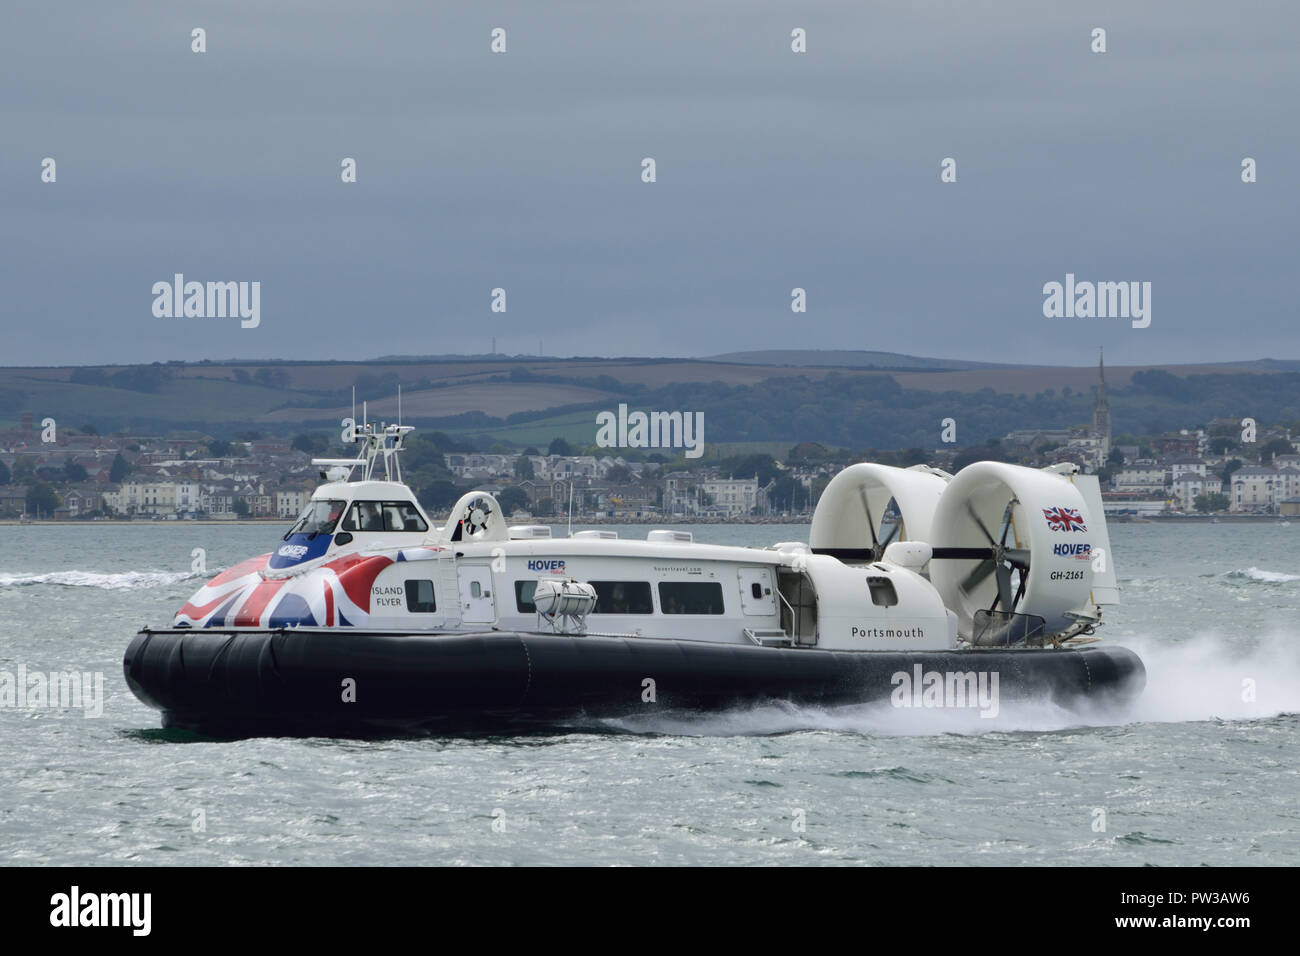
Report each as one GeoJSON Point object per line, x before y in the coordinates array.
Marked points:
{"type": "Point", "coordinates": [916, 588]}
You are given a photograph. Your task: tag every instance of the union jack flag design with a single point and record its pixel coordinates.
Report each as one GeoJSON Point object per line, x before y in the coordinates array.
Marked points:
{"type": "Point", "coordinates": [1064, 519]}
{"type": "Point", "coordinates": [335, 594]}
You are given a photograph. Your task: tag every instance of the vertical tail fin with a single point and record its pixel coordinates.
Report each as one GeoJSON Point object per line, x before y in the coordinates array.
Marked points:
{"type": "Point", "coordinates": [1105, 586]}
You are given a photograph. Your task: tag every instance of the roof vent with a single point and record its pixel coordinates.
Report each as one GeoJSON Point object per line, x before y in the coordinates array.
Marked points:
{"type": "Point", "coordinates": [596, 533]}
{"type": "Point", "coordinates": [664, 534]}
{"type": "Point", "coordinates": [524, 531]}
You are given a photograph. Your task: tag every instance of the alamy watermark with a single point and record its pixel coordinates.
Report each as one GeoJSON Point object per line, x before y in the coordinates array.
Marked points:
{"type": "Point", "coordinates": [179, 299]}
{"type": "Point", "coordinates": [64, 690]}
{"type": "Point", "coordinates": [129, 910]}
{"type": "Point", "coordinates": [1101, 300]}
{"type": "Point", "coordinates": [651, 430]}
{"type": "Point", "coordinates": [922, 688]}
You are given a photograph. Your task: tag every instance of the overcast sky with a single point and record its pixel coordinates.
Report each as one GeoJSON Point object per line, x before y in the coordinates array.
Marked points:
{"type": "Point", "coordinates": [775, 170]}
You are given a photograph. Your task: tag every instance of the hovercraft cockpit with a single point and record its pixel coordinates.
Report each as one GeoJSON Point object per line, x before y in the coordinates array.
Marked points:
{"type": "Point", "coordinates": [370, 513]}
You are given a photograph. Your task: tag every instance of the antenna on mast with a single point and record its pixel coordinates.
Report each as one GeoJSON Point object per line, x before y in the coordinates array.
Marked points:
{"type": "Point", "coordinates": [354, 413]}
{"type": "Point", "coordinates": [570, 509]}
{"type": "Point", "coordinates": [399, 404]}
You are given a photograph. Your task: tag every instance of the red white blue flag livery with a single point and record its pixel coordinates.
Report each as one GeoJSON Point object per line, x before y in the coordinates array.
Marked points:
{"type": "Point", "coordinates": [334, 594]}
{"type": "Point", "coordinates": [1064, 519]}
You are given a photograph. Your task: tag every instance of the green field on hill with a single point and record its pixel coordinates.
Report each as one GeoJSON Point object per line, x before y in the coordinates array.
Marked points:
{"type": "Point", "coordinates": [530, 401]}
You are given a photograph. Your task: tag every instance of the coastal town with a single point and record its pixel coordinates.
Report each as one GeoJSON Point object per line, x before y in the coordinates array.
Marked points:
{"type": "Point", "coordinates": [1229, 466]}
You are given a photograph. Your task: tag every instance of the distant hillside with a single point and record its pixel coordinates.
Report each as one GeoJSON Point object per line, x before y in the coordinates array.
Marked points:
{"type": "Point", "coordinates": [846, 358]}
{"type": "Point", "coordinates": [523, 401]}
{"type": "Point", "coordinates": [890, 361]}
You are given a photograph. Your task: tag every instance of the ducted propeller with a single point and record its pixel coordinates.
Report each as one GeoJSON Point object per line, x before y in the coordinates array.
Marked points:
{"type": "Point", "coordinates": [997, 559]}
{"type": "Point", "coordinates": [476, 517]}
{"type": "Point", "coordinates": [877, 546]}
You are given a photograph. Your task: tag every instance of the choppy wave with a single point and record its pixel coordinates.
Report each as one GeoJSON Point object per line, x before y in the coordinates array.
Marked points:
{"type": "Point", "coordinates": [1264, 577]}
{"type": "Point", "coordinates": [1207, 678]}
{"type": "Point", "coordinates": [122, 581]}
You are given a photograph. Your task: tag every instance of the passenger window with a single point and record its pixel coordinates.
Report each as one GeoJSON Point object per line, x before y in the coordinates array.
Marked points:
{"type": "Point", "coordinates": [622, 597]}
{"type": "Point", "coordinates": [420, 598]}
{"type": "Point", "coordinates": [691, 597]}
{"type": "Point", "coordinates": [524, 591]}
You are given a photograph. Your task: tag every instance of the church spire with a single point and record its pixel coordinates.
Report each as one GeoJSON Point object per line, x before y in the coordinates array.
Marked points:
{"type": "Point", "coordinates": [1101, 408]}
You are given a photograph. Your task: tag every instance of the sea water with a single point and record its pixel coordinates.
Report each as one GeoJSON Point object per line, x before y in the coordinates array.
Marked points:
{"type": "Point", "coordinates": [1204, 768]}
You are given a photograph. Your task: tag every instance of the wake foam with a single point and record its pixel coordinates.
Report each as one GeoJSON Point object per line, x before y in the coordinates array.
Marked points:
{"type": "Point", "coordinates": [1211, 677]}
{"type": "Point", "coordinates": [124, 581]}
{"type": "Point", "coordinates": [1263, 577]}
{"type": "Point", "coordinates": [1201, 679]}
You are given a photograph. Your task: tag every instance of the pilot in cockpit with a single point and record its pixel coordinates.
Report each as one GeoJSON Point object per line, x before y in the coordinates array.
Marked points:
{"type": "Point", "coordinates": [372, 518]}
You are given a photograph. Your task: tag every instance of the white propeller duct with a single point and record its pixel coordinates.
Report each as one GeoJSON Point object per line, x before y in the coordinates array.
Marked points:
{"type": "Point", "coordinates": [847, 522]}
{"type": "Point", "coordinates": [1048, 545]}
{"type": "Point", "coordinates": [476, 517]}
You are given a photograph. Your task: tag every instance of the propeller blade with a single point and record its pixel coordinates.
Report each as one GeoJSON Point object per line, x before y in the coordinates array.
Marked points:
{"type": "Point", "coordinates": [992, 541]}
{"type": "Point", "coordinates": [978, 574]}
{"type": "Point", "coordinates": [1004, 587]}
{"type": "Point", "coordinates": [871, 522]}
{"type": "Point", "coordinates": [1020, 591]}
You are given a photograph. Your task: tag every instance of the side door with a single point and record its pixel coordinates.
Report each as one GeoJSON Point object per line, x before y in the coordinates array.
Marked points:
{"type": "Point", "coordinates": [477, 606]}
{"type": "Point", "coordinates": [757, 591]}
